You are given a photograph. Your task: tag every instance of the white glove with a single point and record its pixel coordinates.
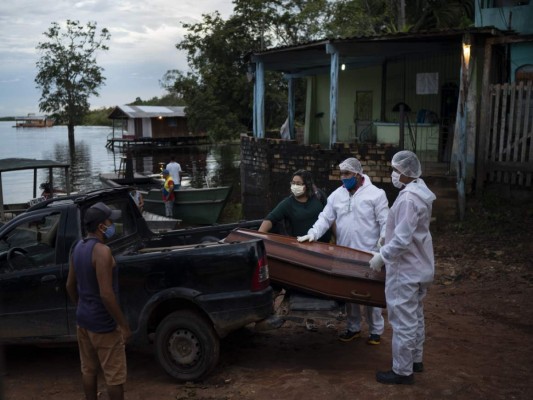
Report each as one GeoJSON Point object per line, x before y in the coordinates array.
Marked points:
{"type": "Point", "coordinates": [376, 262]}
{"type": "Point", "coordinates": [380, 242]}
{"type": "Point", "coordinates": [310, 237]}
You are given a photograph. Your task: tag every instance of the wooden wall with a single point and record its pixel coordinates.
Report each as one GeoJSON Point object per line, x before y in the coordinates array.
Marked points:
{"type": "Point", "coordinates": [169, 127]}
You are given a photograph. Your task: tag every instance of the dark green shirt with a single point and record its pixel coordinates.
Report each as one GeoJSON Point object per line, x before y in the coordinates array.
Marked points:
{"type": "Point", "coordinates": [300, 216]}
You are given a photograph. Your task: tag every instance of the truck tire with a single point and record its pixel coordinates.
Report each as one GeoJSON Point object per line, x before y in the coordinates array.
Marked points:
{"type": "Point", "coordinates": [186, 345]}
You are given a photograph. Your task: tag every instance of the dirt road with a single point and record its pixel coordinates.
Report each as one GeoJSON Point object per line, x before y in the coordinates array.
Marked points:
{"type": "Point", "coordinates": [479, 324]}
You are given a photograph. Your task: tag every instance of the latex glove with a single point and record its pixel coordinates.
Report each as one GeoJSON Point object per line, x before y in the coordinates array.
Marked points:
{"type": "Point", "coordinates": [380, 242]}
{"type": "Point", "coordinates": [310, 237]}
{"type": "Point", "coordinates": [376, 262]}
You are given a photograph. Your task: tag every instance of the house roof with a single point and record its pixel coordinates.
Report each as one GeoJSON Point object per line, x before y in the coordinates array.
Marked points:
{"type": "Point", "coordinates": [17, 164]}
{"type": "Point", "coordinates": [362, 51]}
{"type": "Point", "coordinates": [125, 111]}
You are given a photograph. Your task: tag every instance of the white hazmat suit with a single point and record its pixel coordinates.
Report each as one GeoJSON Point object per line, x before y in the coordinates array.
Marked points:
{"type": "Point", "coordinates": [410, 266]}
{"type": "Point", "coordinates": [360, 222]}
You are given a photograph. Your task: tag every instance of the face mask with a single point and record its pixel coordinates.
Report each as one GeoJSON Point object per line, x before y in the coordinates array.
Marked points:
{"type": "Point", "coordinates": [395, 176]}
{"type": "Point", "coordinates": [350, 183]}
{"type": "Point", "coordinates": [297, 190]}
{"type": "Point", "coordinates": [110, 231]}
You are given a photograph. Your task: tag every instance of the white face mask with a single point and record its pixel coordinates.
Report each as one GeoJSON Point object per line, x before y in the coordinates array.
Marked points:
{"type": "Point", "coordinates": [297, 190]}
{"type": "Point", "coordinates": [395, 176]}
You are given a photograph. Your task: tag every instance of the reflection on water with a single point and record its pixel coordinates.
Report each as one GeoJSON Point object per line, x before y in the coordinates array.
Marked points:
{"type": "Point", "coordinates": [207, 165]}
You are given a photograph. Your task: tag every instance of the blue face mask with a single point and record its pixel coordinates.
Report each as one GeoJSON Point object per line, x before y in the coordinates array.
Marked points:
{"type": "Point", "coordinates": [350, 183]}
{"type": "Point", "coordinates": [110, 231]}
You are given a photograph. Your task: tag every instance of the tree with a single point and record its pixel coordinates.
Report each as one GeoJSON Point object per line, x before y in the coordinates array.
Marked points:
{"type": "Point", "coordinates": [67, 70]}
{"type": "Point", "coordinates": [218, 96]}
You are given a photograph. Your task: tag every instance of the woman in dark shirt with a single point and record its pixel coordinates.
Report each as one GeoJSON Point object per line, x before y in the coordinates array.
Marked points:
{"type": "Point", "coordinates": [300, 210]}
{"type": "Point", "coordinates": [298, 213]}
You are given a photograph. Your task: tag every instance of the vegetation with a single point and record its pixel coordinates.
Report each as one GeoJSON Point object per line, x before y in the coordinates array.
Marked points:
{"type": "Point", "coordinates": [67, 70]}
{"type": "Point", "coordinates": [217, 91]}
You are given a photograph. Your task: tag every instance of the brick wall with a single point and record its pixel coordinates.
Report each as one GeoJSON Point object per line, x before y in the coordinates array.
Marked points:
{"type": "Point", "coordinates": [267, 166]}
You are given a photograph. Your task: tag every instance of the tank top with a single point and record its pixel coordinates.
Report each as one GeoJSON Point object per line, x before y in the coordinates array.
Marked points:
{"type": "Point", "coordinates": [91, 313]}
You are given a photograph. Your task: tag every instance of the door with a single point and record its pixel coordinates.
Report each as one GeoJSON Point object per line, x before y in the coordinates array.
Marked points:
{"type": "Point", "coordinates": [363, 115]}
{"type": "Point", "coordinates": [32, 283]}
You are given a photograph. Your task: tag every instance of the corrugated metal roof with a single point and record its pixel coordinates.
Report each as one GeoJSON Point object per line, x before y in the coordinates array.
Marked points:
{"type": "Point", "coordinates": [364, 51]}
{"type": "Point", "coordinates": [398, 36]}
{"type": "Point", "coordinates": [147, 111]}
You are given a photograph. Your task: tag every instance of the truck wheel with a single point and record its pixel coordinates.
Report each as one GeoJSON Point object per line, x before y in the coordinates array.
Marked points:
{"type": "Point", "coordinates": [186, 346]}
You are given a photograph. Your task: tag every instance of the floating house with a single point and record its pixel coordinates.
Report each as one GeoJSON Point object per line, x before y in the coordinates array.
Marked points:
{"type": "Point", "coordinates": [142, 126]}
{"type": "Point", "coordinates": [134, 122]}
{"type": "Point", "coordinates": [34, 121]}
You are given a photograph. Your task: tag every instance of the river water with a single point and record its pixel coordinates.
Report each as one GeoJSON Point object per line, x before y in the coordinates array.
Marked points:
{"type": "Point", "coordinates": [207, 165]}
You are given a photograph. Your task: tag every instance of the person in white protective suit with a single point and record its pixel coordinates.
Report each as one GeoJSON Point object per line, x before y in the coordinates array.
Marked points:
{"type": "Point", "coordinates": [358, 212]}
{"type": "Point", "coordinates": [409, 262]}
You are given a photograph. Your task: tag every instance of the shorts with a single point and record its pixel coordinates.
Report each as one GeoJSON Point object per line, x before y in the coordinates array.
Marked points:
{"type": "Point", "coordinates": [105, 350]}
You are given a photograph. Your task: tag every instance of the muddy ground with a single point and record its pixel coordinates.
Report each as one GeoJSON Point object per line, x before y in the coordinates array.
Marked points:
{"type": "Point", "coordinates": [479, 324]}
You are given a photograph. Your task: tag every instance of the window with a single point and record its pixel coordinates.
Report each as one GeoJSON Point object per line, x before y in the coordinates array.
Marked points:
{"type": "Point", "coordinates": [125, 225]}
{"type": "Point", "coordinates": [524, 73]}
{"type": "Point", "coordinates": [30, 244]}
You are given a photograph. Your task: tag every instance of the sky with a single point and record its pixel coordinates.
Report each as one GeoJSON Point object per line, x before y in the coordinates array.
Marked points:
{"type": "Point", "coordinates": [142, 46]}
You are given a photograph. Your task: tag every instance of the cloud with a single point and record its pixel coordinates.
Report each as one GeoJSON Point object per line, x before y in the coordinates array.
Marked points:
{"type": "Point", "coordinates": [141, 49]}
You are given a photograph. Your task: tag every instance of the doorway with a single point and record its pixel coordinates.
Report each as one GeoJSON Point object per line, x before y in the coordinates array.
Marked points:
{"type": "Point", "coordinates": [363, 115]}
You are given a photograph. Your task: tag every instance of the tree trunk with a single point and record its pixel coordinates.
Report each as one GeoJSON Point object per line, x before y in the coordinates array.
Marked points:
{"type": "Point", "coordinates": [70, 132]}
{"type": "Point", "coordinates": [401, 16]}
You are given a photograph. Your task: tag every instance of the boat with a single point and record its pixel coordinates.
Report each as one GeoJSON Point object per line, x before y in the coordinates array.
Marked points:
{"type": "Point", "coordinates": [33, 121]}
{"type": "Point", "coordinates": [319, 269]}
{"type": "Point", "coordinates": [158, 223]}
{"type": "Point", "coordinates": [116, 179]}
{"type": "Point", "coordinates": [19, 164]}
{"type": "Point", "coordinates": [193, 206]}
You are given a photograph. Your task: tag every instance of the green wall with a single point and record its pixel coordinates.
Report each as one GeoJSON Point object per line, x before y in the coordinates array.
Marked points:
{"type": "Point", "coordinates": [400, 87]}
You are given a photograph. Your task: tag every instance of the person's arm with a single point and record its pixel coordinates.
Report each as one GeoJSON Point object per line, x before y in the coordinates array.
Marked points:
{"type": "Point", "coordinates": [104, 264]}
{"type": "Point", "coordinates": [71, 285]}
{"type": "Point", "coordinates": [141, 201]}
{"type": "Point", "coordinates": [266, 226]}
{"type": "Point", "coordinates": [405, 226]}
{"type": "Point", "coordinates": [381, 211]}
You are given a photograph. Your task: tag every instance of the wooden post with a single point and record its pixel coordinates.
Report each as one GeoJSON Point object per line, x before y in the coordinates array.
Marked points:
{"type": "Point", "coordinates": [484, 130]}
{"type": "Point", "coordinates": [291, 106]}
{"type": "Point", "coordinates": [333, 93]}
{"type": "Point", "coordinates": [34, 183]}
{"type": "Point", "coordinates": [1, 200]}
{"type": "Point", "coordinates": [259, 102]}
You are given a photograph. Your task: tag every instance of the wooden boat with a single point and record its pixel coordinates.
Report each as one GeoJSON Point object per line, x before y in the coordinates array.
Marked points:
{"type": "Point", "coordinates": [158, 223]}
{"type": "Point", "coordinates": [192, 206]}
{"type": "Point", "coordinates": [115, 179]}
{"type": "Point", "coordinates": [19, 164]}
{"type": "Point", "coordinates": [321, 269]}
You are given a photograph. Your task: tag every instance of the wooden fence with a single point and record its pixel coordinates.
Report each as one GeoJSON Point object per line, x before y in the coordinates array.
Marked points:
{"type": "Point", "coordinates": [508, 155]}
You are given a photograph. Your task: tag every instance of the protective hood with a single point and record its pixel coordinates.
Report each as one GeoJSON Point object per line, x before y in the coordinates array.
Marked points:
{"type": "Point", "coordinates": [419, 188]}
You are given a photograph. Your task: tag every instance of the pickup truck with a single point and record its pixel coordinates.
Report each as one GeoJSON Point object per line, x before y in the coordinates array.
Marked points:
{"type": "Point", "coordinates": [181, 291]}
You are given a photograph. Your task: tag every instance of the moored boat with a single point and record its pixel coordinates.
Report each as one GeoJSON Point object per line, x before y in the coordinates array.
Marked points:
{"type": "Point", "coordinates": [192, 206]}
{"type": "Point", "coordinates": [321, 269]}
{"type": "Point", "coordinates": [19, 164]}
{"type": "Point", "coordinates": [114, 179]}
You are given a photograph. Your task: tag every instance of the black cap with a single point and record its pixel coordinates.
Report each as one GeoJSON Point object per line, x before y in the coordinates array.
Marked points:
{"type": "Point", "coordinates": [99, 212]}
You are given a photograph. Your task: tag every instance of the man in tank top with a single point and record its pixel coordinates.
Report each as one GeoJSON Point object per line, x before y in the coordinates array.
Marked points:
{"type": "Point", "coordinates": [92, 285]}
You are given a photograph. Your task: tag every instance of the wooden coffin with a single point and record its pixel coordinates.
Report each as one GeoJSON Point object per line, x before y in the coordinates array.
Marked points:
{"type": "Point", "coordinates": [321, 269]}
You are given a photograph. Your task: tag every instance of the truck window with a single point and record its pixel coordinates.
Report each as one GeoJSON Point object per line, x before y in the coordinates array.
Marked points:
{"type": "Point", "coordinates": [125, 225]}
{"type": "Point", "coordinates": [30, 244]}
